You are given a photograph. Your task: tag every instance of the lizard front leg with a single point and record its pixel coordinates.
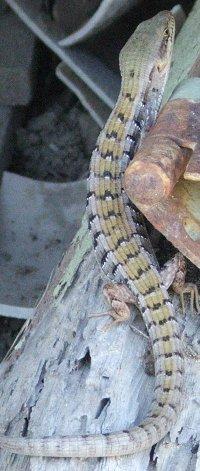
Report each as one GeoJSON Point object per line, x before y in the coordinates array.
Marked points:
{"type": "Point", "coordinates": [119, 298]}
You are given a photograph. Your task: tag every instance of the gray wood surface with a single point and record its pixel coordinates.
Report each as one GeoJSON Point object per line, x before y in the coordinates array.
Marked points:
{"type": "Point", "coordinates": [69, 374]}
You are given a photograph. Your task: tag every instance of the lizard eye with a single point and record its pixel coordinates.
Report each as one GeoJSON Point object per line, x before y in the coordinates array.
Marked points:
{"type": "Point", "coordinates": [166, 36]}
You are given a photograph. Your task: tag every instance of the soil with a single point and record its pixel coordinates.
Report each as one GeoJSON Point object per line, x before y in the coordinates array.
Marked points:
{"type": "Point", "coordinates": [56, 145]}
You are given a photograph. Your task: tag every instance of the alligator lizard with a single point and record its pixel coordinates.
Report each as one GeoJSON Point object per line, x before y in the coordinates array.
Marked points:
{"type": "Point", "coordinates": [119, 244]}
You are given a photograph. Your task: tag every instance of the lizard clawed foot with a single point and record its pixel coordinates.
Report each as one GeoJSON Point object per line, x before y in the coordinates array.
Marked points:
{"type": "Point", "coordinates": [173, 274]}
{"type": "Point", "coordinates": [120, 313]}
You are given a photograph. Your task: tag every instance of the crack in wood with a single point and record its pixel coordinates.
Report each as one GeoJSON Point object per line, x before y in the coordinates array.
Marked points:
{"type": "Point", "coordinates": [62, 353]}
{"type": "Point", "coordinates": [105, 402]}
{"type": "Point", "coordinates": [33, 400]}
{"type": "Point", "coordinates": [85, 360]}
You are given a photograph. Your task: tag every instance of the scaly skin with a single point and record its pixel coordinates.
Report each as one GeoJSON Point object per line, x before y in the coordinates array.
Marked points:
{"type": "Point", "coordinates": [119, 245]}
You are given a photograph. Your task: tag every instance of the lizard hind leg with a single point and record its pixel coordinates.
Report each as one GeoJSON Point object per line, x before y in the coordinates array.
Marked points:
{"type": "Point", "coordinates": [173, 274]}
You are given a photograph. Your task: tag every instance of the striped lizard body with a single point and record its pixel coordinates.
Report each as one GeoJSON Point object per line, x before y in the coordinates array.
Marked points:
{"type": "Point", "coordinates": [117, 231]}
{"type": "Point", "coordinates": [119, 244]}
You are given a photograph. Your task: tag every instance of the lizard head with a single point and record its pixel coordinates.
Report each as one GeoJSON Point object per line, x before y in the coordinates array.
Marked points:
{"type": "Point", "coordinates": [148, 51]}
{"type": "Point", "coordinates": [145, 62]}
